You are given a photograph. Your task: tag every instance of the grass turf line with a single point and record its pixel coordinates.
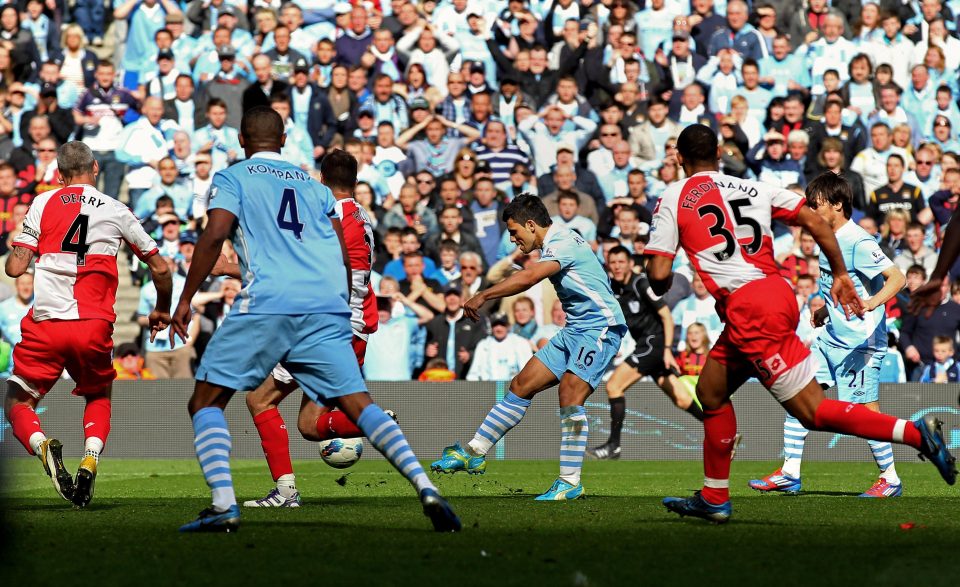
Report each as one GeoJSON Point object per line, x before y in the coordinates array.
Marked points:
{"type": "Point", "coordinates": [370, 531]}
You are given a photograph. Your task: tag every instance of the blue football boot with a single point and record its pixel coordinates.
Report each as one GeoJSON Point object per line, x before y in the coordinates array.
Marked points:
{"type": "Point", "coordinates": [935, 450]}
{"type": "Point", "coordinates": [455, 458]}
{"type": "Point", "coordinates": [698, 507]}
{"type": "Point", "coordinates": [562, 491]}
{"type": "Point", "coordinates": [778, 481]}
{"type": "Point", "coordinates": [210, 520]}
{"type": "Point", "coordinates": [439, 511]}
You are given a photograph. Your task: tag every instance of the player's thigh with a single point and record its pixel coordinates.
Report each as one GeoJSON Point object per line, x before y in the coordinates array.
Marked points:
{"type": "Point", "coordinates": [269, 394]}
{"type": "Point", "coordinates": [719, 379]}
{"type": "Point", "coordinates": [574, 391]}
{"type": "Point", "coordinates": [535, 377]}
{"type": "Point", "coordinates": [90, 358]}
{"type": "Point", "coordinates": [322, 359]}
{"type": "Point", "coordinates": [244, 350]}
{"type": "Point", "coordinates": [803, 405]}
{"type": "Point", "coordinates": [622, 378]}
{"type": "Point", "coordinates": [590, 352]}
{"type": "Point", "coordinates": [858, 376]}
{"type": "Point", "coordinates": [39, 358]}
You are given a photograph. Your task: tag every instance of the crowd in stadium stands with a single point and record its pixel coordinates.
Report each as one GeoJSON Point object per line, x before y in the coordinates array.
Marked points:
{"type": "Point", "coordinates": [452, 108]}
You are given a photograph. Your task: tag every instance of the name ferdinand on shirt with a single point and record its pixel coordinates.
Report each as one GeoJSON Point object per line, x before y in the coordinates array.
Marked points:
{"type": "Point", "coordinates": [82, 198]}
{"type": "Point", "coordinates": [260, 168]}
{"type": "Point", "coordinates": [693, 196]}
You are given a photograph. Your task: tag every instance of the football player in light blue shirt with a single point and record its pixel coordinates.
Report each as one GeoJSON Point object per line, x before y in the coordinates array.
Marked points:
{"type": "Point", "coordinates": [850, 352]}
{"type": "Point", "coordinates": [576, 357]}
{"type": "Point", "coordinates": [292, 310]}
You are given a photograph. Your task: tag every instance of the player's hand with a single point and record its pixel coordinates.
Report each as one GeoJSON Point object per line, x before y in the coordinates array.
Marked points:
{"type": "Point", "coordinates": [819, 318]}
{"type": "Point", "coordinates": [180, 322]}
{"type": "Point", "coordinates": [159, 321]}
{"type": "Point", "coordinates": [669, 361]}
{"type": "Point", "coordinates": [845, 296]}
{"type": "Point", "coordinates": [927, 297]}
{"type": "Point", "coordinates": [472, 306]}
{"type": "Point", "coordinates": [432, 350]}
{"type": "Point", "coordinates": [221, 266]}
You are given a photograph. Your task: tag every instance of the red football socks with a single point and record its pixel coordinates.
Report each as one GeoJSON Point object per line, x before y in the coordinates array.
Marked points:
{"type": "Point", "coordinates": [96, 418]}
{"type": "Point", "coordinates": [858, 420]}
{"type": "Point", "coordinates": [336, 424]}
{"type": "Point", "coordinates": [24, 423]}
{"type": "Point", "coordinates": [719, 430]}
{"type": "Point", "coordinates": [275, 442]}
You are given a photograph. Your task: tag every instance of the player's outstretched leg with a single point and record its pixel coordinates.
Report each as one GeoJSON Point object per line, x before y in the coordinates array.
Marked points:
{"type": "Point", "coordinates": [387, 437]}
{"type": "Point", "coordinates": [925, 434]}
{"type": "Point", "coordinates": [212, 442]}
{"type": "Point", "coordinates": [786, 479]}
{"type": "Point", "coordinates": [274, 440]}
{"type": "Point", "coordinates": [96, 428]}
{"type": "Point", "coordinates": [505, 414]}
{"type": "Point", "coordinates": [25, 425]}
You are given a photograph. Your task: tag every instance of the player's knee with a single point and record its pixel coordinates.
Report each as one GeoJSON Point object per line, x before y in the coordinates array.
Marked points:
{"type": "Point", "coordinates": [307, 426]}
{"type": "Point", "coordinates": [256, 403]}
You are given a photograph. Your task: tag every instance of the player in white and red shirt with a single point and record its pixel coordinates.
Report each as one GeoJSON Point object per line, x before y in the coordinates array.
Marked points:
{"type": "Point", "coordinates": [723, 223]}
{"type": "Point", "coordinates": [317, 423]}
{"type": "Point", "coordinates": [75, 233]}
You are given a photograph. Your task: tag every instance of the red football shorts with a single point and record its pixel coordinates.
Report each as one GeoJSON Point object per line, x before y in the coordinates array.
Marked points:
{"type": "Point", "coordinates": [761, 334]}
{"type": "Point", "coordinates": [83, 347]}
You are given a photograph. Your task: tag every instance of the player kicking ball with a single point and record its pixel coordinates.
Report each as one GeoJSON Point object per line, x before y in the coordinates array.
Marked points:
{"type": "Point", "coordinates": [75, 232]}
{"type": "Point", "coordinates": [849, 352]}
{"type": "Point", "coordinates": [576, 357]}
{"type": "Point", "coordinates": [293, 310]}
{"type": "Point", "coordinates": [723, 223]}
{"type": "Point", "coordinates": [651, 326]}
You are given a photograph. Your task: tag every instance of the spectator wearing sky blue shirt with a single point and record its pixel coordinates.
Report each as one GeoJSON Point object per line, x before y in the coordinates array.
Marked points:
{"type": "Point", "coordinates": [698, 307]}
{"type": "Point", "coordinates": [385, 105]}
{"type": "Point", "coordinates": [145, 18]}
{"type": "Point", "coordinates": [547, 132]}
{"type": "Point", "coordinates": [655, 25]}
{"type": "Point", "coordinates": [142, 146]}
{"type": "Point", "coordinates": [783, 71]}
{"type": "Point", "coordinates": [614, 182]}
{"type": "Point", "coordinates": [568, 205]}
{"type": "Point", "coordinates": [170, 185]}
{"type": "Point", "coordinates": [12, 311]}
{"type": "Point", "coordinates": [216, 138]}
{"type": "Point", "coordinates": [390, 353]}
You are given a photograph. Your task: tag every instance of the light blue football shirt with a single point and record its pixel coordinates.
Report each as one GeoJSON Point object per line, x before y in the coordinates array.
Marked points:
{"type": "Point", "coordinates": [865, 262]}
{"type": "Point", "coordinates": [290, 257]}
{"type": "Point", "coordinates": [582, 285]}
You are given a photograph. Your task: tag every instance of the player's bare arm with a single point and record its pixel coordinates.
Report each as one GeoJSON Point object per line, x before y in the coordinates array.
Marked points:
{"type": "Point", "coordinates": [893, 282]}
{"type": "Point", "coordinates": [929, 295]}
{"type": "Point", "coordinates": [660, 273]}
{"type": "Point", "coordinates": [843, 292]}
{"type": "Point", "coordinates": [219, 225]}
{"type": "Point", "coordinates": [18, 261]}
{"type": "Point", "coordinates": [159, 318]}
{"type": "Point", "coordinates": [519, 282]}
{"type": "Point", "coordinates": [668, 330]}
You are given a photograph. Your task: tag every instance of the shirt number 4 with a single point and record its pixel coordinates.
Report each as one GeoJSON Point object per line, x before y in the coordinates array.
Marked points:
{"type": "Point", "coordinates": [288, 218]}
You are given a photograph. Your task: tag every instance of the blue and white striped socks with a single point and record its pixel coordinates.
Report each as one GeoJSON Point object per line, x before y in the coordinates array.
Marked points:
{"type": "Point", "coordinates": [883, 454]}
{"type": "Point", "coordinates": [211, 439]}
{"type": "Point", "coordinates": [794, 435]}
{"type": "Point", "coordinates": [503, 416]}
{"type": "Point", "coordinates": [573, 442]}
{"type": "Point", "coordinates": [387, 437]}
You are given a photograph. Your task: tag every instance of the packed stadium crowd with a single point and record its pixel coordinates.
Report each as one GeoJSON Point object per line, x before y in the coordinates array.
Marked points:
{"type": "Point", "coordinates": [454, 108]}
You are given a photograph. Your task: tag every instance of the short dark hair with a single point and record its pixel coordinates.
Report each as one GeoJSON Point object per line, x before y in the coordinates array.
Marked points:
{"type": "Point", "coordinates": [698, 144]}
{"type": "Point", "coordinates": [527, 207]}
{"type": "Point", "coordinates": [619, 250]}
{"type": "Point", "coordinates": [216, 102]}
{"type": "Point", "coordinates": [568, 195]}
{"type": "Point", "coordinates": [830, 188]}
{"type": "Point", "coordinates": [917, 270]}
{"type": "Point", "coordinates": [339, 170]}
{"type": "Point", "coordinates": [261, 124]}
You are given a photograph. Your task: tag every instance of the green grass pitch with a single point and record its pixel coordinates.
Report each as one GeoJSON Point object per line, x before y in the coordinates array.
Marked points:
{"type": "Point", "coordinates": [370, 530]}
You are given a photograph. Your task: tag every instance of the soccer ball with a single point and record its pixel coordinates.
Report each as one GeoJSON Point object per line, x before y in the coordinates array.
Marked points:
{"type": "Point", "coordinates": [341, 453]}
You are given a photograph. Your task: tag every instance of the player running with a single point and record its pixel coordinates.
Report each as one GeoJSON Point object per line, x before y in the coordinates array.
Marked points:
{"type": "Point", "coordinates": [577, 356]}
{"type": "Point", "coordinates": [651, 325]}
{"type": "Point", "coordinates": [723, 224]}
{"type": "Point", "coordinates": [75, 232]}
{"type": "Point", "coordinates": [293, 310]}
{"type": "Point", "coordinates": [849, 352]}
{"type": "Point", "coordinates": [316, 422]}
